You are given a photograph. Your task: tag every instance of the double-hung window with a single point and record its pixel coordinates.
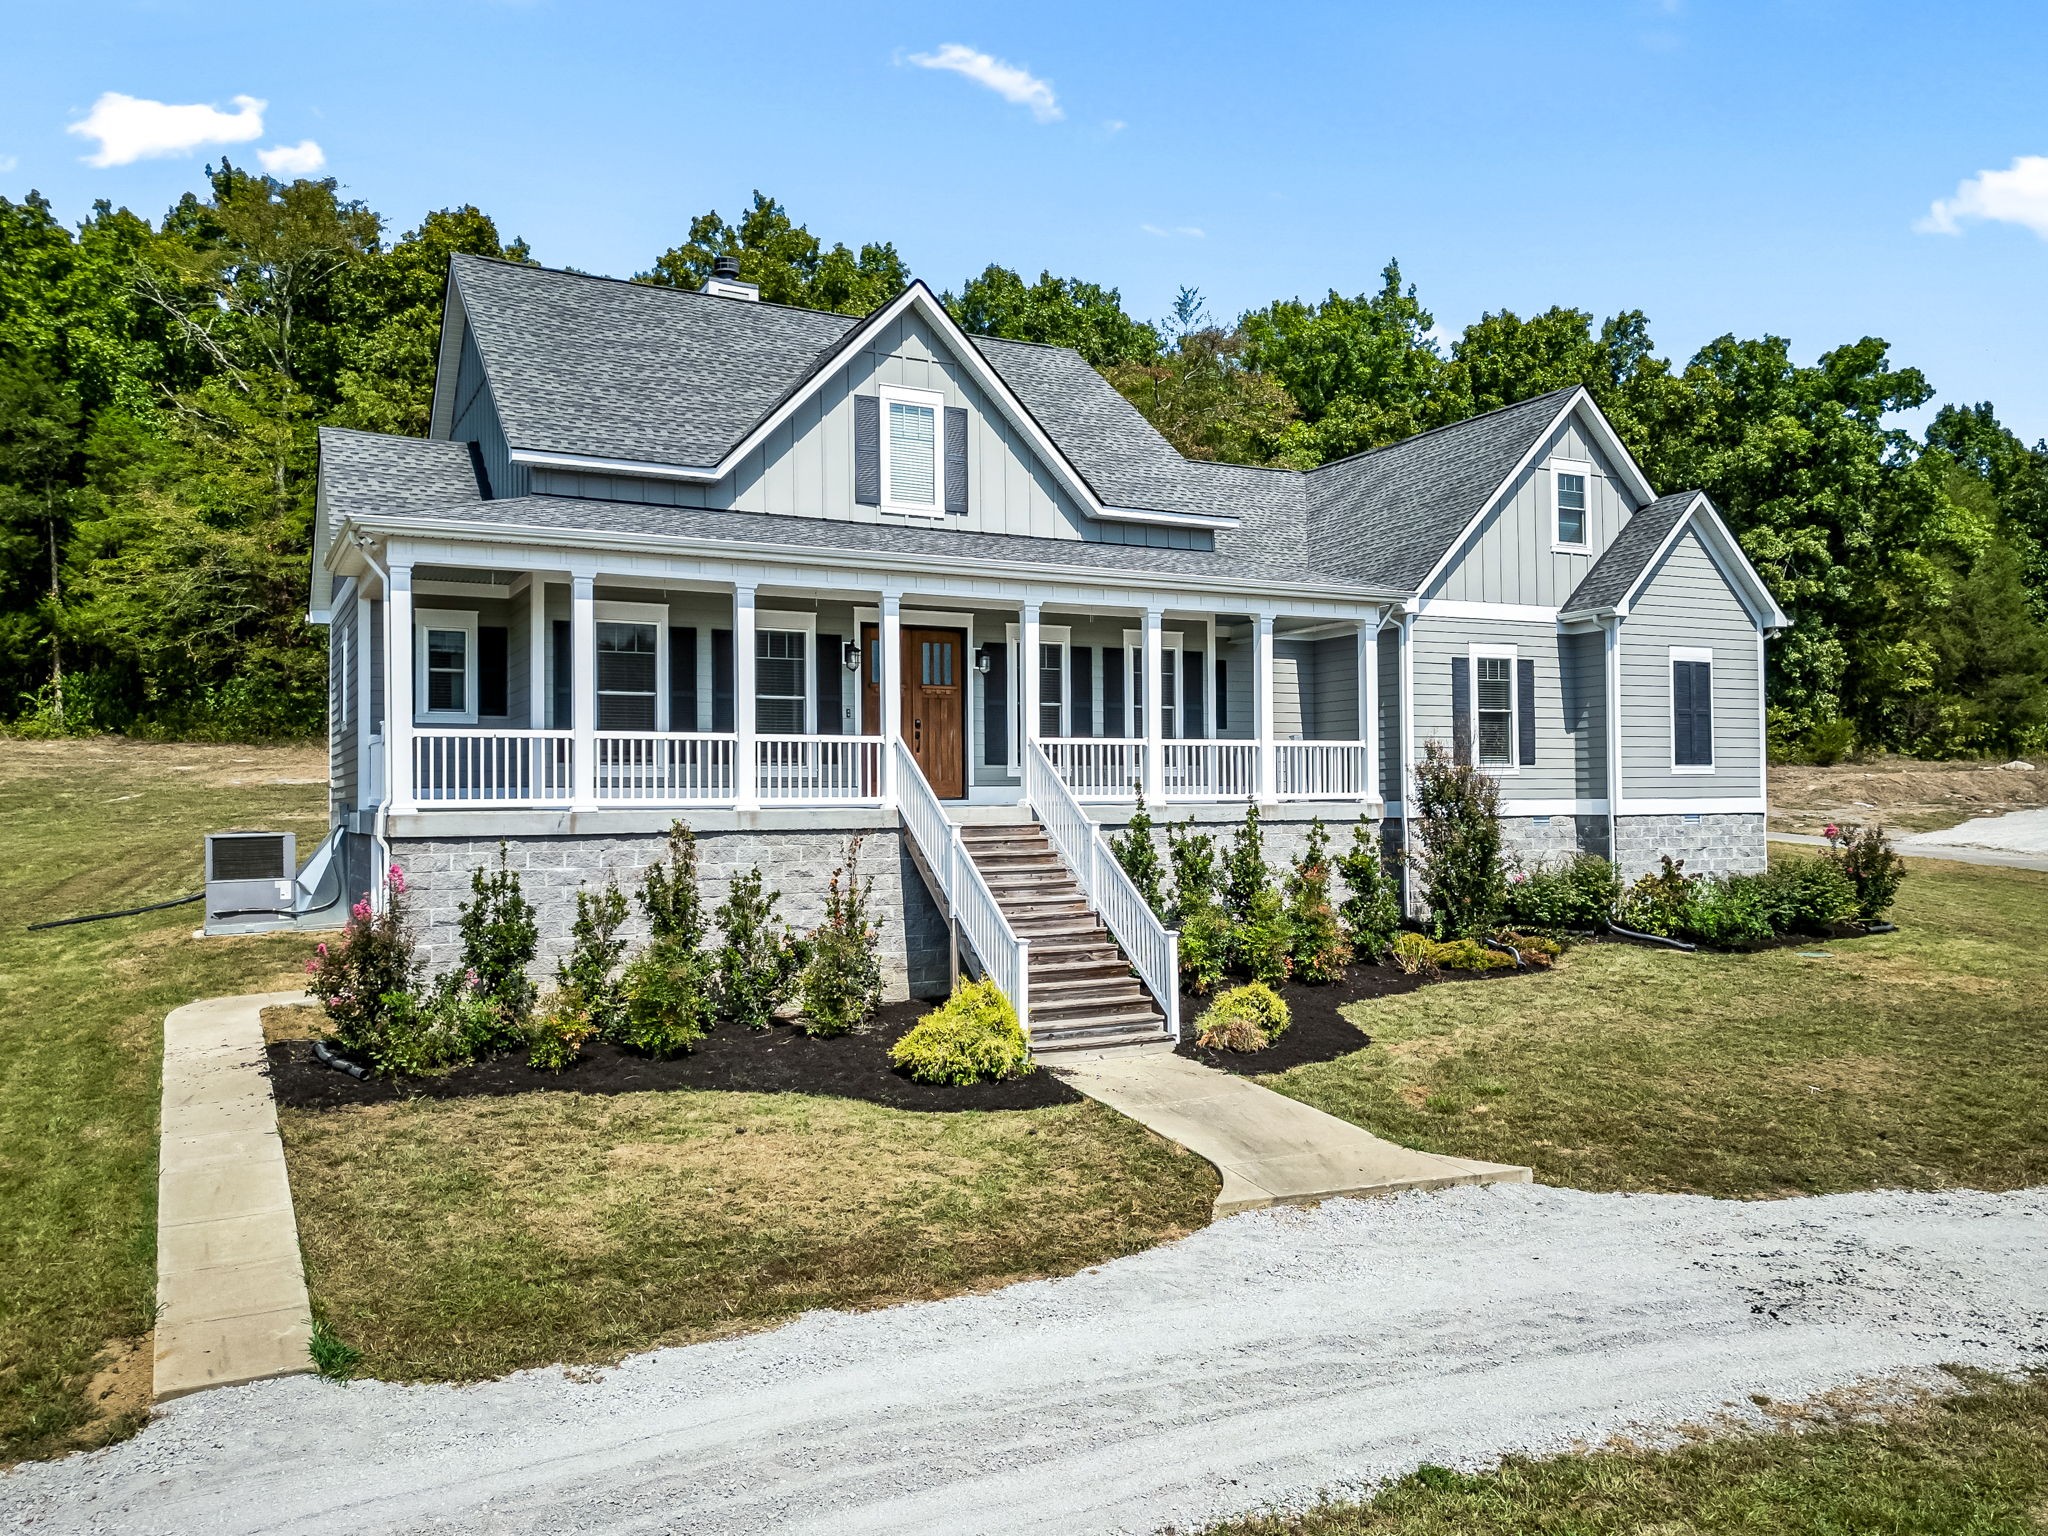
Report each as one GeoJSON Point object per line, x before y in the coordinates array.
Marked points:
{"type": "Point", "coordinates": [781, 692]}
{"type": "Point", "coordinates": [911, 424]}
{"type": "Point", "coordinates": [1052, 689]}
{"type": "Point", "coordinates": [1692, 709]}
{"type": "Point", "coordinates": [1570, 491]}
{"type": "Point", "coordinates": [632, 666]}
{"type": "Point", "coordinates": [1493, 708]}
{"type": "Point", "coordinates": [444, 642]}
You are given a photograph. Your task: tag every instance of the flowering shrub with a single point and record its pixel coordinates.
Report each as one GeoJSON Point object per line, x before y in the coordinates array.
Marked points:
{"type": "Point", "coordinates": [368, 974]}
{"type": "Point", "coordinates": [1865, 856]}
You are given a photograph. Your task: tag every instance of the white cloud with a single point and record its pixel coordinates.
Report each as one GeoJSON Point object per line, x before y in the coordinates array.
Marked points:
{"type": "Point", "coordinates": [2015, 195]}
{"type": "Point", "coordinates": [1010, 81]}
{"type": "Point", "coordinates": [1115, 125]}
{"type": "Point", "coordinates": [1183, 231]}
{"type": "Point", "coordinates": [8, 163]}
{"type": "Point", "coordinates": [131, 129]}
{"type": "Point", "coordinates": [300, 159]}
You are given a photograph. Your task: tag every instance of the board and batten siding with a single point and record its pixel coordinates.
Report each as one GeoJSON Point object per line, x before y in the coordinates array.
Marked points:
{"type": "Point", "coordinates": [1557, 774]}
{"type": "Point", "coordinates": [1687, 602]}
{"type": "Point", "coordinates": [805, 466]}
{"type": "Point", "coordinates": [1509, 558]}
{"type": "Point", "coordinates": [475, 420]}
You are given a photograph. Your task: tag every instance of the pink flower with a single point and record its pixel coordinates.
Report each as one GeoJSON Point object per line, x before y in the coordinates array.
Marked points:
{"type": "Point", "coordinates": [320, 950]}
{"type": "Point", "coordinates": [1830, 830]}
{"type": "Point", "coordinates": [361, 910]}
{"type": "Point", "coordinates": [313, 966]}
{"type": "Point", "coordinates": [471, 979]}
{"type": "Point", "coordinates": [397, 881]}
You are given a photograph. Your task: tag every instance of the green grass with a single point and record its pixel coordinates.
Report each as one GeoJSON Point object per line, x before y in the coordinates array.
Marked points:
{"type": "Point", "coordinates": [1974, 1464]}
{"type": "Point", "coordinates": [86, 826]}
{"type": "Point", "coordinates": [451, 1240]}
{"type": "Point", "coordinates": [1917, 1059]}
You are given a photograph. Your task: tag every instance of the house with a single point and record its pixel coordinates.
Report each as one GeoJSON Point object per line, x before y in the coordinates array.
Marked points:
{"type": "Point", "coordinates": [797, 577]}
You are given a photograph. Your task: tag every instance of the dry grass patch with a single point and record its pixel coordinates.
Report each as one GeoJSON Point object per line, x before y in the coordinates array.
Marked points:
{"type": "Point", "coordinates": [466, 1238]}
{"type": "Point", "coordinates": [295, 1021]}
{"type": "Point", "coordinates": [1901, 792]}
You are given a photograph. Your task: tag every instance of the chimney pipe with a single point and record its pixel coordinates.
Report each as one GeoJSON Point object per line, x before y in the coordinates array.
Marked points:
{"type": "Point", "coordinates": [724, 281]}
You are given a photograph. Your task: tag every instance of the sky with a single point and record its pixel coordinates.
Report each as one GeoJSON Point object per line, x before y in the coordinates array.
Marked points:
{"type": "Point", "coordinates": [1814, 169]}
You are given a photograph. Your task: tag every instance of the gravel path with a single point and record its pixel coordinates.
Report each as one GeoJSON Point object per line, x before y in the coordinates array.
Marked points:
{"type": "Point", "coordinates": [1265, 1358]}
{"type": "Point", "coordinates": [2014, 832]}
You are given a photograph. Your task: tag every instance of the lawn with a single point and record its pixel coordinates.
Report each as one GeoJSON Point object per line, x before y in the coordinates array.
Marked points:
{"type": "Point", "coordinates": [87, 826]}
{"type": "Point", "coordinates": [1973, 1464]}
{"type": "Point", "coordinates": [1915, 1060]}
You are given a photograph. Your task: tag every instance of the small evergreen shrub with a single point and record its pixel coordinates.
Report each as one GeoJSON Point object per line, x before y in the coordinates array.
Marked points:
{"type": "Point", "coordinates": [973, 1038]}
{"type": "Point", "coordinates": [589, 973]}
{"type": "Point", "coordinates": [668, 891]}
{"type": "Point", "coordinates": [1264, 947]}
{"type": "Point", "coordinates": [1316, 944]}
{"type": "Point", "coordinates": [1808, 895]}
{"type": "Point", "coordinates": [666, 991]}
{"type": "Point", "coordinates": [1193, 856]}
{"type": "Point", "coordinates": [556, 1030]}
{"type": "Point", "coordinates": [1661, 902]}
{"type": "Point", "coordinates": [759, 960]}
{"type": "Point", "coordinates": [1576, 895]}
{"type": "Point", "coordinates": [1455, 836]}
{"type": "Point", "coordinates": [426, 1034]}
{"type": "Point", "coordinates": [1246, 1018]}
{"type": "Point", "coordinates": [1415, 953]}
{"type": "Point", "coordinates": [499, 938]}
{"type": "Point", "coordinates": [369, 972]}
{"type": "Point", "coordinates": [1245, 875]}
{"type": "Point", "coordinates": [1205, 946]}
{"type": "Point", "coordinates": [1537, 949]}
{"type": "Point", "coordinates": [842, 981]}
{"type": "Point", "coordinates": [1138, 856]}
{"type": "Point", "coordinates": [1731, 911]}
{"type": "Point", "coordinates": [1866, 856]}
{"type": "Point", "coordinates": [1468, 955]}
{"type": "Point", "coordinates": [1372, 901]}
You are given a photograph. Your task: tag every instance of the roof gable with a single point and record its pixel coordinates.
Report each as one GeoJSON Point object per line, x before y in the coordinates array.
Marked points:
{"type": "Point", "coordinates": [1617, 577]}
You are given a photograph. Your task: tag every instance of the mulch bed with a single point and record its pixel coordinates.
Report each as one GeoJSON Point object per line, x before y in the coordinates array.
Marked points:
{"type": "Point", "coordinates": [778, 1060]}
{"type": "Point", "coordinates": [1318, 1031]}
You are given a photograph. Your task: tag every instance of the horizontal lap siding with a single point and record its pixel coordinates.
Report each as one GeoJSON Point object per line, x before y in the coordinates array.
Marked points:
{"type": "Point", "coordinates": [1687, 602]}
{"type": "Point", "coordinates": [1584, 671]}
{"type": "Point", "coordinates": [1333, 684]}
{"type": "Point", "coordinates": [1509, 559]}
{"type": "Point", "coordinates": [1292, 661]}
{"type": "Point", "coordinates": [1390, 712]}
{"type": "Point", "coordinates": [1437, 640]}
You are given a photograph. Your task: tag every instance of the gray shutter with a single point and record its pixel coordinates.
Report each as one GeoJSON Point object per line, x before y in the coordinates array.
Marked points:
{"type": "Point", "coordinates": [831, 700]}
{"type": "Point", "coordinates": [867, 450]}
{"type": "Point", "coordinates": [1703, 713]}
{"type": "Point", "coordinates": [1525, 710]}
{"type": "Point", "coordinates": [995, 705]}
{"type": "Point", "coordinates": [1081, 704]}
{"type": "Point", "coordinates": [1194, 664]}
{"type": "Point", "coordinates": [1113, 723]}
{"type": "Point", "coordinates": [1461, 708]}
{"type": "Point", "coordinates": [682, 678]}
{"type": "Point", "coordinates": [956, 458]}
{"type": "Point", "coordinates": [721, 680]}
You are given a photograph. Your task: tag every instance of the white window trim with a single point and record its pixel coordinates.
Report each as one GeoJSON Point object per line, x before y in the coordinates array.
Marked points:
{"type": "Point", "coordinates": [424, 619]}
{"type": "Point", "coordinates": [936, 403]}
{"type": "Point", "coordinates": [607, 612]}
{"type": "Point", "coordinates": [1512, 655]}
{"type": "Point", "coordinates": [1061, 635]}
{"type": "Point", "coordinates": [808, 624]}
{"type": "Point", "coordinates": [1689, 653]}
{"type": "Point", "coordinates": [1134, 659]}
{"type": "Point", "coordinates": [1557, 544]}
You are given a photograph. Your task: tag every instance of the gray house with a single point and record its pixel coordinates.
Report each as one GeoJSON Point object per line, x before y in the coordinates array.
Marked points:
{"type": "Point", "coordinates": [795, 577]}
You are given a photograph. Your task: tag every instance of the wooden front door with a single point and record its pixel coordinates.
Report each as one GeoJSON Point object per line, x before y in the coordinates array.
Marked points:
{"type": "Point", "coordinates": [934, 702]}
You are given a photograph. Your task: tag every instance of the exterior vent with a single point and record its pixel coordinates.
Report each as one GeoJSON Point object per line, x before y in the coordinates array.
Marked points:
{"type": "Point", "coordinates": [724, 282]}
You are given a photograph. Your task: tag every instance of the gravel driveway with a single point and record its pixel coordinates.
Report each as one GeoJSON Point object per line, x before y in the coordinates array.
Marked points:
{"type": "Point", "coordinates": [1265, 1358]}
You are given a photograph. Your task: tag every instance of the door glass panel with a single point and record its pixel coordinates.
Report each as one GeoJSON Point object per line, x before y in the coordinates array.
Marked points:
{"type": "Point", "coordinates": [626, 676]}
{"type": "Point", "coordinates": [779, 677]}
{"type": "Point", "coordinates": [447, 671]}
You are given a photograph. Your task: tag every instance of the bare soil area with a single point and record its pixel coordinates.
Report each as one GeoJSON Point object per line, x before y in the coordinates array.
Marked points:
{"type": "Point", "coordinates": [1902, 793]}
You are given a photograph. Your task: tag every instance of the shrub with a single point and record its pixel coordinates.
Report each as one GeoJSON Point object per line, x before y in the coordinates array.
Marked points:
{"type": "Point", "coordinates": [974, 1037]}
{"type": "Point", "coordinates": [1468, 955]}
{"type": "Point", "coordinates": [369, 971]}
{"type": "Point", "coordinates": [665, 999]}
{"type": "Point", "coordinates": [1865, 855]}
{"type": "Point", "coordinates": [1577, 894]}
{"type": "Point", "coordinates": [759, 959]}
{"type": "Point", "coordinates": [842, 982]}
{"type": "Point", "coordinates": [1193, 856]}
{"type": "Point", "coordinates": [1415, 953]}
{"type": "Point", "coordinates": [1734, 910]}
{"type": "Point", "coordinates": [556, 1030]}
{"type": "Point", "coordinates": [1138, 856]}
{"type": "Point", "coordinates": [499, 937]}
{"type": "Point", "coordinates": [668, 891]}
{"type": "Point", "coordinates": [1830, 742]}
{"type": "Point", "coordinates": [1372, 901]}
{"type": "Point", "coordinates": [1245, 876]}
{"type": "Point", "coordinates": [1536, 949]}
{"type": "Point", "coordinates": [589, 972]}
{"type": "Point", "coordinates": [1205, 945]}
{"type": "Point", "coordinates": [1316, 942]}
{"type": "Point", "coordinates": [425, 1034]}
{"type": "Point", "coordinates": [1456, 841]}
{"type": "Point", "coordinates": [1247, 1018]}
{"type": "Point", "coordinates": [1808, 895]}
{"type": "Point", "coordinates": [1264, 942]}
{"type": "Point", "coordinates": [1660, 903]}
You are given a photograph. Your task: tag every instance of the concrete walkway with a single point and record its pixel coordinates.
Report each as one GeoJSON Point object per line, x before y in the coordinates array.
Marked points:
{"type": "Point", "coordinates": [1956, 853]}
{"type": "Point", "coordinates": [231, 1294]}
{"type": "Point", "coordinates": [1270, 1149]}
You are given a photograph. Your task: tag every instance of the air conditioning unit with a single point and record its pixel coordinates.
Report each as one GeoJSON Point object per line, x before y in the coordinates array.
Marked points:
{"type": "Point", "coordinates": [251, 877]}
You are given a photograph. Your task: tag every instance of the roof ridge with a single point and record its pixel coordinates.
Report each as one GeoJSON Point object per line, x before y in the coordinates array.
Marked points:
{"type": "Point", "coordinates": [1449, 426]}
{"type": "Point", "coordinates": [694, 293]}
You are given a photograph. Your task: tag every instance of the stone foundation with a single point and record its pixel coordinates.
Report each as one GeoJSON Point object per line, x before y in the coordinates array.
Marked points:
{"type": "Point", "coordinates": [1728, 844]}
{"type": "Point", "coordinates": [796, 863]}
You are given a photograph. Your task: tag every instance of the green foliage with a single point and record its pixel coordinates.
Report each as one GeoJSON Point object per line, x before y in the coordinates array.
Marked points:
{"type": "Point", "coordinates": [1245, 876]}
{"type": "Point", "coordinates": [1808, 895]}
{"type": "Point", "coordinates": [759, 959]}
{"type": "Point", "coordinates": [1193, 857]}
{"type": "Point", "coordinates": [1866, 858]}
{"type": "Point", "coordinates": [1372, 901]}
{"type": "Point", "coordinates": [499, 937]}
{"type": "Point", "coordinates": [669, 990]}
{"type": "Point", "coordinates": [787, 261]}
{"type": "Point", "coordinates": [1246, 1018]}
{"type": "Point", "coordinates": [668, 891]}
{"type": "Point", "coordinates": [1828, 742]}
{"type": "Point", "coordinates": [368, 973]}
{"type": "Point", "coordinates": [1415, 954]}
{"type": "Point", "coordinates": [1317, 947]}
{"type": "Point", "coordinates": [1468, 955]}
{"type": "Point", "coordinates": [1456, 845]}
{"type": "Point", "coordinates": [1793, 896]}
{"type": "Point", "coordinates": [427, 1033]}
{"type": "Point", "coordinates": [842, 980]}
{"type": "Point", "coordinates": [1730, 912]}
{"type": "Point", "coordinates": [1057, 311]}
{"type": "Point", "coordinates": [1205, 946]}
{"type": "Point", "coordinates": [333, 1357]}
{"type": "Point", "coordinates": [556, 1030]}
{"type": "Point", "coordinates": [589, 973]}
{"type": "Point", "coordinates": [1659, 902]}
{"type": "Point", "coordinates": [974, 1037]}
{"type": "Point", "coordinates": [1575, 895]}
{"type": "Point", "coordinates": [1138, 856]}
{"type": "Point", "coordinates": [1264, 939]}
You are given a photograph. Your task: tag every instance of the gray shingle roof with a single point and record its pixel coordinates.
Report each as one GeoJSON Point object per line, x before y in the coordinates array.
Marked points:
{"type": "Point", "coordinates": [1623, 563]}
{"type": "Point", "coordinates": [1387, 516]}
{"type": "Point", "coordinates": [371, 472]}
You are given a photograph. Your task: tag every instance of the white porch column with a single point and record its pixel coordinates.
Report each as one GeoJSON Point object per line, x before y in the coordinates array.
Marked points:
{"type": "Point", "coordinates": [1369, 701]}
{"type": "Point", "coordinates": [745, 705]}
{"type": "Point", "coordinates": [890, 642]}
{"type": "Point", "coordinates": [583, 691]}
{"type": "Point", "coordinates": [366, 702]}
{"type": "Point", "coordinates": [1155, 708]}
{"type": "Point", "coordinates": [1262, 709]}
{"type": "Point", "coordinates": [398, 705]}
{"type": "Point", "coordinates": [1027, 678]}
{"type": "Point", "coordinates": [537, 689]}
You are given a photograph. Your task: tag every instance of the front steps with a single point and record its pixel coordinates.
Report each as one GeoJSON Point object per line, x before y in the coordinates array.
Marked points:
{"type": "Point", "coordinates": [1084, 995]}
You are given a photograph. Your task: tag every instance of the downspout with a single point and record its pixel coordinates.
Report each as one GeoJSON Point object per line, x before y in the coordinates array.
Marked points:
{"type": "Point", "coordinates": [1408, 608]}
{"type": "Point", "coordinates": [1612, 670]}
{"type": "Point", "coordinates": [380, 846]}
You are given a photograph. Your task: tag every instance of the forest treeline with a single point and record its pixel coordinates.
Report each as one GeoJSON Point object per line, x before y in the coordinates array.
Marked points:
{"type": "Point", "coordinates": [160, 387]}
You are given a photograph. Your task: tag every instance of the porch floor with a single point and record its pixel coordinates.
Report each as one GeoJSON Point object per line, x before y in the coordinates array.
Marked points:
{"type": "Point", "coordinates": [1270, 1149]}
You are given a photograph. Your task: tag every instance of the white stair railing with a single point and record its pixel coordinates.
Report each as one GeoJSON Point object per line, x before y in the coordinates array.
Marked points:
{"type": "Point", "coordinates": [1005, 958]}
{"type": "Point", "coordinates": [1152, 948]}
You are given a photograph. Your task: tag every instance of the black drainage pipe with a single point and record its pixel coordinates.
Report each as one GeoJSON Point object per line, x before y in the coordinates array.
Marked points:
{"type": "Point", "coordinates": [339, 1062]}
{"type": "Point", "coordinates": [1650, 938]}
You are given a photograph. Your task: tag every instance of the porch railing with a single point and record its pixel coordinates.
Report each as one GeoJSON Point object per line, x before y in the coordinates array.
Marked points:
{"type": "Point", "coordinates": [1152, 948]}
{"type": "Point", "coordinates": [1096, 767]}
{"type": "Point", "coordinates": [1211, 770]}
{"type": "Point", "coordinates": [1005, 958]}
{"type": "Point", "coordinates": [1321, 770]}
{"type": "Point", "coordinates": [818, 769]}
{"type": "Point", "coordinates": [665, 768]}
{"type": "Point", "coordinates": [507, 768]}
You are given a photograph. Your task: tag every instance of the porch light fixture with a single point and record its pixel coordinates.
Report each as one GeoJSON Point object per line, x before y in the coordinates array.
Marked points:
{"type": "Point", "coordinates": [851, 656]}
{"type": "Point", "coordinates": [982, 661]}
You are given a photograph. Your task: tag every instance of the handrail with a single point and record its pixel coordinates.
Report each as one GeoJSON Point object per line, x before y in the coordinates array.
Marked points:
{"type": "Point", "coordinates": [503, 768]}
{"type": "Point", "coordinates": [1005, 958]}
{"type": "Point", "coordinates": [1152, 948]}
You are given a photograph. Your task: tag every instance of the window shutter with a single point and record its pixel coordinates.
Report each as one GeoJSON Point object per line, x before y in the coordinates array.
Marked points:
{"type": "Point", "coordinates": [831, 669]}
{"type": "Point", "coordinates": [1525, 709]}
{"type": "Point", "coordinates": [1194, 665]}
{"type": "Point", "coordinates": [1692, 714]}
{"type": "Point", "coordinates": [721, 680]}
{"type": "Point", "coordinates": [995, 706]}
{"type": "Point", "coordinates": [1703, 713]}
{"type": "Point", "coordinates": [956, 458]}
{"type": "Point", "coordinates": [867, 451]}
{"type": "Point", "coordinates": [682, 679]}
{"type": "Point", "coordinates": [1461, 708]}
{"type": "Point", "coordinates": [1113, 723]}
{"type": "Point", "coordinates": [1081, 705]}
{"type": "Point", "coordinates": [561, 675]}
{"type": "Point", "coordinates": [1222, 696]}
{"type": "Point", "coordinates": [493, 669]}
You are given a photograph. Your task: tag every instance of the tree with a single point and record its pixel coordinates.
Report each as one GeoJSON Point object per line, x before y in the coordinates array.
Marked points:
{"type": "Point", "coordinates": [785, 259]}
{"type": "Point", "coordinates": [1057, 311]}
